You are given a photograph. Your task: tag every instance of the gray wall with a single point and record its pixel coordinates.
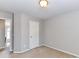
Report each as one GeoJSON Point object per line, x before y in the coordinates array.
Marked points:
{"type": "Point", "coordinates": [17, 32]}
{"type": "Point", "coordinates": [25, 32]}
{"type": "Point", "coordinates": [41, 32]}
{"type": "Point", "coordinates": [5, 15]}
{"type": "Point", "coordinates": [62, 32]}
{"type": "Point", "coordinates": [21, 32]}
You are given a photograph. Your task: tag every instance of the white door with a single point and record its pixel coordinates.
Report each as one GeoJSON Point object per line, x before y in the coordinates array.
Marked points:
{"type": "Point", "coordinates": [33, 34]}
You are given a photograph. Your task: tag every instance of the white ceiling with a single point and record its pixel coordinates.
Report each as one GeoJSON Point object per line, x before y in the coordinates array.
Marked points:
{"type": "Point", "coordinates": [32, 7]}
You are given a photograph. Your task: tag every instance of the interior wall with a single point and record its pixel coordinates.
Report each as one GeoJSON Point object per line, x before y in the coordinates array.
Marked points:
{"type": "Point", "coordinates": [41, 32]}
{"type": "Point", "coordinates": [5, 15]}
{"type": "Point", "coordinates": [62, 32]}
{"type": "Point", "coordinates": [21, 32]}
{"type": "Point", "coordinates": [17, 32]}
{"type": "Point", "coordinates": [25, 32]}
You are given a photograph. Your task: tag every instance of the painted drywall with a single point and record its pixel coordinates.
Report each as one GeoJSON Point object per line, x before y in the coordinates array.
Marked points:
{"type": "Point", "coordinates": [25, 32]}
{"type": "Point", "coordinates": [5, 15]}
{"type": "Point", "coordinates": [33, 8]}
{"type": "Point", "coordinates": [17, 32]}
{"type": "Point", "coordinates": [21, 32]}
{"type": "Point", "coordinates": [62, 32]}
{"type": "Point", "coordinates": [41, 32]}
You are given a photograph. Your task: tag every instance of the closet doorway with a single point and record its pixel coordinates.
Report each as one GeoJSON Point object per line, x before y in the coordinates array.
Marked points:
{"type": "Point", "coordinates": [33, 34]}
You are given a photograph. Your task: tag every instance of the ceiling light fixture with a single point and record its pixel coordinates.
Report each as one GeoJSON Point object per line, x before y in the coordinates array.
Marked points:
{"type": "Point", "coordinates": [43, 3]}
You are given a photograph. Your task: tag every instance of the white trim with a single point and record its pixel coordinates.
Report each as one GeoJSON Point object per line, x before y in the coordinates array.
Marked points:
{"type": "Point", "coordinates": [21, 51]}
{"type": "Point", "coordinates": [4, 18]}
{"type": "Point", "coordinates": [49, 47]}
{"type": "Point", "coordinates": [61, 50]}
{"type": "Point", "coordinates": [25, 50]}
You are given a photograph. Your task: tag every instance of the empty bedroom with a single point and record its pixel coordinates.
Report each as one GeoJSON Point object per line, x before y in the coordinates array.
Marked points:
{"type": "Point", "coordinates": [39, 28]}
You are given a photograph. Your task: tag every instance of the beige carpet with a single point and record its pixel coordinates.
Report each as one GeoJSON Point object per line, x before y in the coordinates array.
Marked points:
{"type": "Point", "coordinates": [41, 52]}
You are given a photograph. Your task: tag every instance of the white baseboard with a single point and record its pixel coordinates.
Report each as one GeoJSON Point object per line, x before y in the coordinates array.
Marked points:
{"type": "Point", "coordinates": [61, 50]}
{"type": "Point", "coordinates": [50, 47]}
{"type": "Point", "coordinates": [25, 50]}
{"type": "Point", "coordinates": [21, 51]}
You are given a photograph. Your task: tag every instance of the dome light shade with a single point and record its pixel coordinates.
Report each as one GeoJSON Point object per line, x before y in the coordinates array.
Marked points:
{"type": "Point", "coordinates": [43, 3]}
